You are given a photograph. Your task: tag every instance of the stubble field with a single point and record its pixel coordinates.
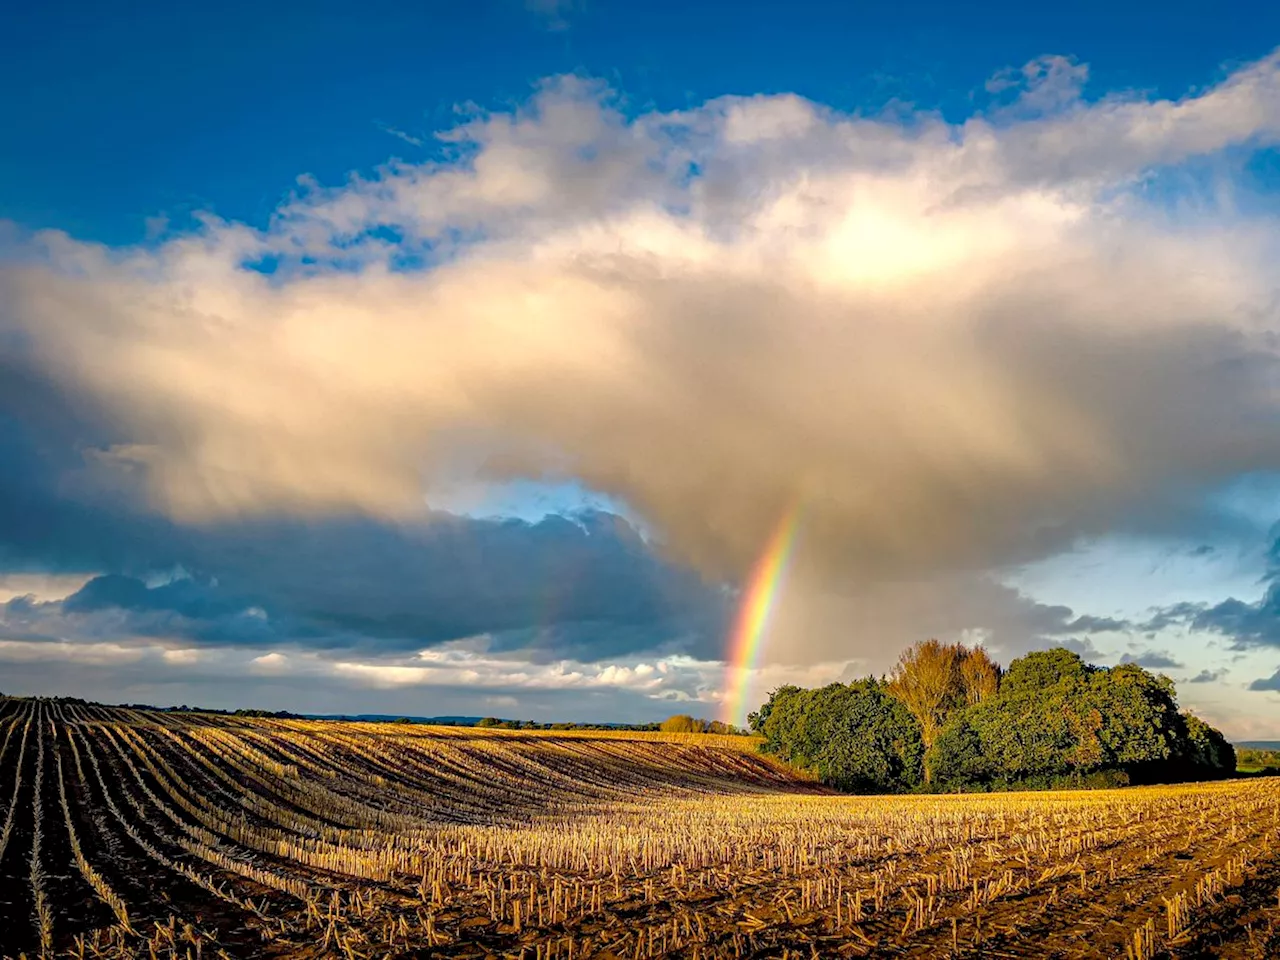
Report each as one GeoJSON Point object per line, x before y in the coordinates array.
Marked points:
{"type": "Point", "coordinates": [128, 833]}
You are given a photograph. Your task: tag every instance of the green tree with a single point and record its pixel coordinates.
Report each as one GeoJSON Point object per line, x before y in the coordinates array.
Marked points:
{"type": "Point", "coordinates": [851, 736]}
{"type": "Point", "coordinates": [1057, 719]}
{"type": "Point", "coordinates": [757, 718]}
{"type": "Point", "coordinates": [1044, 669]}
{"type": "Point", "coordinates": [1140, 729]}
{"type": "Point", "coordinates": [1008, 738]}
{"type": "Point", "coordinates": [1208, 752]}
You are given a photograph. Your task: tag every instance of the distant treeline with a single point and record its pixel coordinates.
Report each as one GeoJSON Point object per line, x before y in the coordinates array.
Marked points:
{"type": "Point", "coordinates": [949, 718]}
{"type": "Point", "coordinates": [699, 726]}
{"type": "Point", "coordinates": [1256, 758]}
{"type": "Point", "coordinates": [496, 724]}
{"type": "Point", "coordinates": [680, 723]}
{"type": "Point", "coordinates": [683, 723]}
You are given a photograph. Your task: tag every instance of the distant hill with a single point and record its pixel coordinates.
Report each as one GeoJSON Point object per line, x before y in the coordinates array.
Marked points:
{"type": "Point", "coordinates": [461, 721]}
{"type": "Point", "coordinates": [1259, 744]}
{"type": "Point", "coordinates": [387, 717]}
{"type": "Point", "coordinates": [452, 721]}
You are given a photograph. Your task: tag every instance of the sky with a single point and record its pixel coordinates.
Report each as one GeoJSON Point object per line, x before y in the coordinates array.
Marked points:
{"type": "Point", "coordinates": [465, 359]}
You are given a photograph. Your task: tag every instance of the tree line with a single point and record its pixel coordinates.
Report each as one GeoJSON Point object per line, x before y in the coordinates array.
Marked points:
{"type": "Point", "coordinates": [496, 723]}
{"type": "Point", "coordinates": [1259, 760]}
{"type": "Point", "coordinates": [679, 723]}
{"type": "Point", "coordinates": [949, 718]}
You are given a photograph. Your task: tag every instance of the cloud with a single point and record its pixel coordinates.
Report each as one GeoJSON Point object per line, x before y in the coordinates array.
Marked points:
{"type": "Point", "coordinates": [873, 621]}
{"type": "Point", "coordinates": [459, 671]}
{"type": "Point", "coordinates": [40, 586]}
{"type": "Point", "coordinates": [1246, 624]}
{"type": "Point", "coordinates": [401, 135]}
{"type": "Point", "coordinates": [306, 681]}
{"type": "Point", "coordinates": [83, 654]}
{"type": "Point", "coordinates": [1208, 676]}
{"type": "Point", "coordinates": [583, 586]}
{"type": "Point", "coordinates": [957, 346]}
{"type": "Point", "coordinates": [1271, 683]}
{"type": "Point", "coordinates": [1082, 646]}
{"type": "Point", "coordinates": [1042, 86]}
{"type": "Point", "coordinates": [1152, 660]}
{"type": "Point", "coordinates": [554, 14]}
{"type": "Point", "coordinates": [481, 670]}
{"type": "Point", "coordinates": [586, 587]}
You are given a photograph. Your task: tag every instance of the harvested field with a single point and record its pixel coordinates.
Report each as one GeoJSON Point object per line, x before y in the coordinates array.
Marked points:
{"type": "Point", "coordinates": [126, 833]}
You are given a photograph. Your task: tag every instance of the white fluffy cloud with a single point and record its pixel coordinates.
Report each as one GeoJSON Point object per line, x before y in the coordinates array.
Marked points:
{"type": "Point", "coordinates": [957, 346]}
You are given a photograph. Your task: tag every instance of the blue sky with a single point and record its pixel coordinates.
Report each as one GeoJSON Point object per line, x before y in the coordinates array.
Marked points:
{"type": "Point", "coordinates": [989, 292]}
{"type": "Point", "coordinates": [138, 110]}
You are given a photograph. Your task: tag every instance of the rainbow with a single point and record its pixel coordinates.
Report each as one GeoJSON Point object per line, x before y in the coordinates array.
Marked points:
{"type": "Point", "coordinates": [753, 615]}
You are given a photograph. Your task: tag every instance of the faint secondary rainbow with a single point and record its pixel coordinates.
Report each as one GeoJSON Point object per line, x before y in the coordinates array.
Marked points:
{"type": "Point", "coordinates": [753, 615]}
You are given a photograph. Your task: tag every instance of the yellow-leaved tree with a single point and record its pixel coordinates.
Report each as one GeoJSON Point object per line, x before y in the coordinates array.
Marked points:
{"type": "Point", "coordinates": [932, 679]}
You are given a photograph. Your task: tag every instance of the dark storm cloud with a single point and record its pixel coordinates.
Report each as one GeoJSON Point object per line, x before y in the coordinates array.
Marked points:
{"type": "Point", "coordinates": [184, 597]}
{"type": "Point", "coordinates": [1246, 624]}
{"type": "Point", "coordinates": [569, 588]}
{"type": "Point", "coordinates": [1044, 625]}
{"type": "Point", "coordinates": [589, 585]}
{"type": "Point", "coordinates": [586, 588]}
{"type": "Point", "coordinates": [116, 606]}
{"type": "Point", "coordinates": [586, 585]}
